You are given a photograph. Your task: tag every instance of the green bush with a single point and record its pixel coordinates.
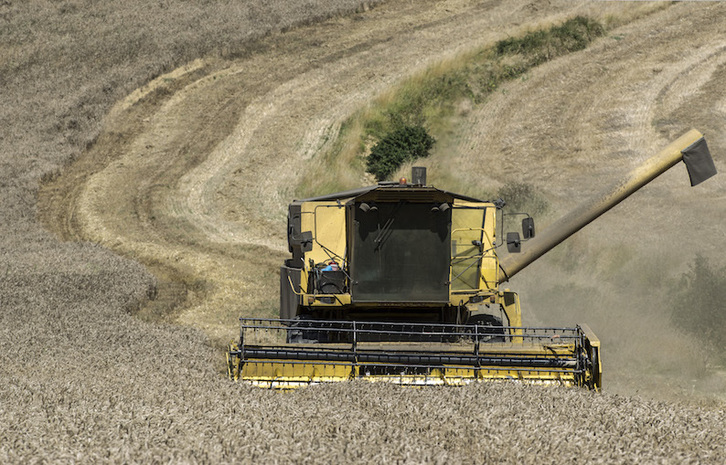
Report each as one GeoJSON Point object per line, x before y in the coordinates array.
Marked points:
{"type": "Point", "coordinates": [431, 99]}
{"type": "Point", "coordinates": [401, 145]}
{"type": "Point", "coordinates": [543, 45]}
{"type": "Point", "coordinates": [699, 304]}
{"type": "Point", "coordinates": [523, 198]}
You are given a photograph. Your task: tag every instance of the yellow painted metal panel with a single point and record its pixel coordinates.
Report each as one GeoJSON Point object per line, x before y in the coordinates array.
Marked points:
{"type": "Point", "coordinates": [466, 229]}
{"type": "Point", "coordinates": [490, 263]}
{"type": "Point", "coordinates": [326, 220]}
{"type": "Point", "coordinates": [473, 267]}
{"type": "Point", "coordinates": [592, 346]}
{"type": "Point", "coordinates": [292, 374]}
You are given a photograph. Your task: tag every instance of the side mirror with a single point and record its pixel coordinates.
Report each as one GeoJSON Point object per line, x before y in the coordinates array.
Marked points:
{"type": "Point", "coordinates": [304, 241]}
{"type": "Point", "coordinates": [514, 244]}
{"type": "Point", "coordinates": [528, 227]}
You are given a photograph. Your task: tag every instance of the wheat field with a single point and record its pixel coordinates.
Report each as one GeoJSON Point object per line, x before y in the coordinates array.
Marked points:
{"type": "Point", "coordinates": [141, 212]}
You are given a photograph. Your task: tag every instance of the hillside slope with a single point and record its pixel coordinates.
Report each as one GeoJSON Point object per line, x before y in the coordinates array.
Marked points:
{"type": "Point", "coordinates": [190, 175]}
{"type": "Point", "coordinates": [216, 149]}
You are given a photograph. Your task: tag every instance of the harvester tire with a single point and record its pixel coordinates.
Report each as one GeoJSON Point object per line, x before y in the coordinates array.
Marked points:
{"type": "Point", "coordinates": [491, 325]}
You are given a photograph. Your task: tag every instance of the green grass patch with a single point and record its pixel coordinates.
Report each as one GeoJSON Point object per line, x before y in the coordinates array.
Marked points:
{"type": "Point", "coordinates": [523, 197]}
{"type": "Point", "coordinates": [430, 99]}
{"type": "Point", "coordinates": [543, 45]}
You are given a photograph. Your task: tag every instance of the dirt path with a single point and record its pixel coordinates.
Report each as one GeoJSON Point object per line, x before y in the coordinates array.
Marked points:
{"type": "Point", "coordinates": [594, 115]}
{"type": "Point", "coordinates": [192, 175]}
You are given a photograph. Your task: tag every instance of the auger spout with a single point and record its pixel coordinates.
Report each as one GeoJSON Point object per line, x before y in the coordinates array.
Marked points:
{"type": "Point", "coordinates": [690, 147]}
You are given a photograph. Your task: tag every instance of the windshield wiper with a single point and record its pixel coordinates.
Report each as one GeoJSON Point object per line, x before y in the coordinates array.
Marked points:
{"type": "Point", "coordinates": [384, 233]}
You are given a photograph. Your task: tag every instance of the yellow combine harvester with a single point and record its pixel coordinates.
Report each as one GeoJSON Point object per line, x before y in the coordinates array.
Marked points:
{"type": "Point", "coordinates": [400, 282]}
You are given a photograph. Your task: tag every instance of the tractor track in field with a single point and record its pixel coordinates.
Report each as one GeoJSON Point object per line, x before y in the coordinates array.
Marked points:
{"type": "Point", "coordinates": [192, 174]}
{"type": "Point", "coordinates": [189, 179]}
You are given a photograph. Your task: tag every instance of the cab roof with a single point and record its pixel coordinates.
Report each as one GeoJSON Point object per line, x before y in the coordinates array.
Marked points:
{"type": "Point", "coordinates": [391, 192]}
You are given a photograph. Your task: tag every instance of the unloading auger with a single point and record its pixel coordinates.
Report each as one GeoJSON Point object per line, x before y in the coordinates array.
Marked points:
{"type": "Point", "coordinates": [401, 282]}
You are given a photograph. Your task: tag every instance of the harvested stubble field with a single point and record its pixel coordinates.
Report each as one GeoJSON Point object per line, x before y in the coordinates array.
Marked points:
{"type": "Point", "coordinates": [168, 138]}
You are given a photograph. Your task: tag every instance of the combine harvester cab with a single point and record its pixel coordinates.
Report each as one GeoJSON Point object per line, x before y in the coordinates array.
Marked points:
{"type": "Point", "coordinates": [400, 282]}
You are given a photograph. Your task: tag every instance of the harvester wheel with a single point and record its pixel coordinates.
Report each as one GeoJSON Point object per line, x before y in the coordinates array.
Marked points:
{"type": "Point", "coordinates": [298, 334]}
{"type": "Point", "coordinates": [490, 325]}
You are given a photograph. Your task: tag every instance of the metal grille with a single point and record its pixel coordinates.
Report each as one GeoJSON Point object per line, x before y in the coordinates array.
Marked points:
{"type": "Point", "coordinates": [308, 351]}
